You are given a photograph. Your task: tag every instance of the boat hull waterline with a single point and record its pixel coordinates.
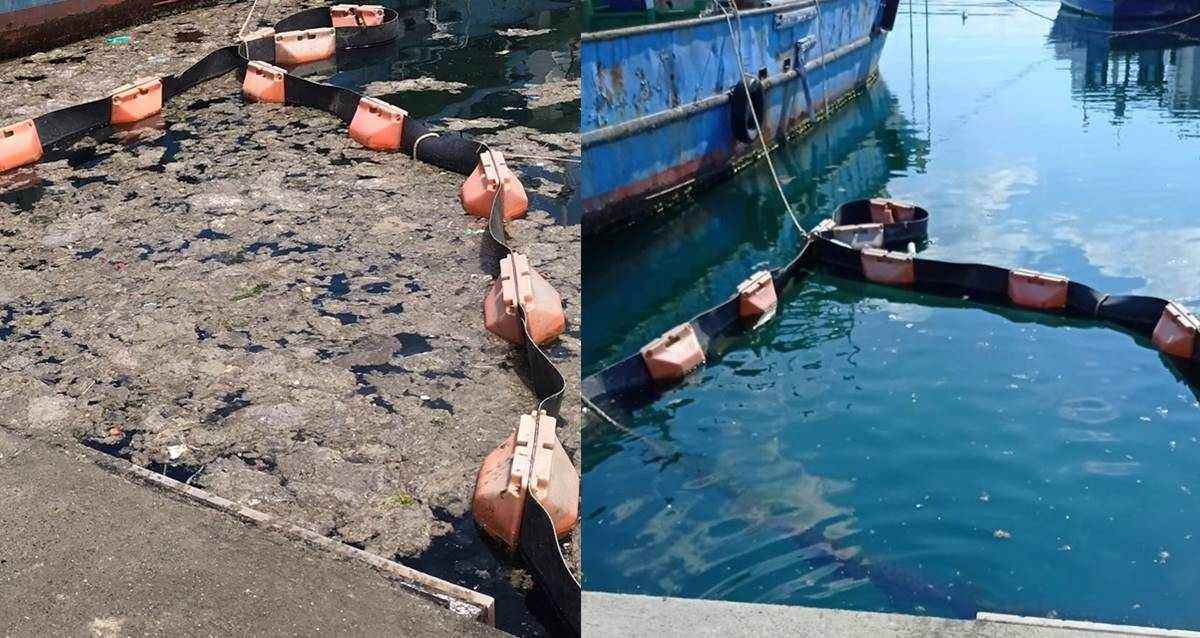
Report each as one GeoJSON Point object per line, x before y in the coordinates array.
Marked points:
{"type": "Point", "coordinates": [659, 101]}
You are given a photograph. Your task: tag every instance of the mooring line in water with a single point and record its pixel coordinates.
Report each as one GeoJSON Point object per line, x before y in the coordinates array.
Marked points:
{"type": "Point", "coordinates": [737, 43]}
{"type": "Point", "coordinates": [521, 306]}
{"type": "Point", "coordinates": [246, 22]}
{"type": "Point", "coordinates": [1161, 27]}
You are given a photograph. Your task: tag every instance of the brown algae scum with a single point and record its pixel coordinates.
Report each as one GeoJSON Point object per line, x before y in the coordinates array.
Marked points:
{"type": "Point", "coordinates": [246, 299]}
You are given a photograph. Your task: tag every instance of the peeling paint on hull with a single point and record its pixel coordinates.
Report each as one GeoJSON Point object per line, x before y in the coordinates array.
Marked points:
{"type": "Point", "coordinates": [1135, 9]}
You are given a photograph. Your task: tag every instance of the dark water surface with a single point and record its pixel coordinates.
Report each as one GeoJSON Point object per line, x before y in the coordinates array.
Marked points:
{"type": "Point", "coordinates": [483, 54]}
{"type": "Point", "coordinates": [883, 450]}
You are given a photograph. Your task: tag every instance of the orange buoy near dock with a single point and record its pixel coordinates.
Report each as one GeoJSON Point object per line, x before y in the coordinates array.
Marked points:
{"type": "Point", "coordinates": [263, 82]}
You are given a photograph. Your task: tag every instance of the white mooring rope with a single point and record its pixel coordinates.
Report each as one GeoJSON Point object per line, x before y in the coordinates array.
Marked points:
{"type": "Point", "coordinates": [735, 34]}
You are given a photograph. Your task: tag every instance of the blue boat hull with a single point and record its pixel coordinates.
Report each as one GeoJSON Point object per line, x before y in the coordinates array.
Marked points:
{"type": "Point", "coordinates": [657, 113]}
{"type": "Point", "coordinates": [1135, 9]}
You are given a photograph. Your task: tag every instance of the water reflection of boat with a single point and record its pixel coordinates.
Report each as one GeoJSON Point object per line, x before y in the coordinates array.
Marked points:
{"type": "Point", "coordinates": [739, 224]}
{"type": "Point", "coordinates": [665, 111]}
{"type": "Point", "coordinates": [1145, 9]}
{"type": "Point", "coordinates": [1163, 65]}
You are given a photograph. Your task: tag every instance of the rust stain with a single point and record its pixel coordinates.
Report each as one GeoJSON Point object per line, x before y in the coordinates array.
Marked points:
{"type": "Point", "coordinates": [46, 26]}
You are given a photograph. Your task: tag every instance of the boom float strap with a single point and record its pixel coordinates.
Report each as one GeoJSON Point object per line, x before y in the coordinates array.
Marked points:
{"type": "Point", "coordinates": [529, 481]}
{"type": "Point", "coordinates": [859, 243]}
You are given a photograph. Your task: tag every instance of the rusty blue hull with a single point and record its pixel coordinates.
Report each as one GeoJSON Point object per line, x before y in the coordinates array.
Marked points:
{"type": "Point", "coordinates": [659, 103]}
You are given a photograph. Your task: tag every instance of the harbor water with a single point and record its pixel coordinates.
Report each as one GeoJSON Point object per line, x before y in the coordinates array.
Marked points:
{"type": "Point", "coordinates": [878, 449]}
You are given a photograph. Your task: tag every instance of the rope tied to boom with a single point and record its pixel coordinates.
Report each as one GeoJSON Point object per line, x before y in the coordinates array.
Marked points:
{"type": "Point", "coordinates": [1161, 27]}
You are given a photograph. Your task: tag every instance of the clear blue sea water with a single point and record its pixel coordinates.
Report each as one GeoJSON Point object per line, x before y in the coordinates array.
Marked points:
{"type": "Point", "coordinates": [883, 450]}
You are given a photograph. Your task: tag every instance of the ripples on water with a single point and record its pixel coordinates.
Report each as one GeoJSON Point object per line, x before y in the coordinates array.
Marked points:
{"type": "Point", "coordinates": [876, 449]}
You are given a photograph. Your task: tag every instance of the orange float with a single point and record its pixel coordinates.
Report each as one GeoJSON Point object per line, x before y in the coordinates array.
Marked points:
{"type": "Point", "coordinates": [1175, 333]}
{"type": "Point", "coordinates": [890, 211]}
{"type": "Point", "coordinates": [378, 125]}
{"type": "Point", "coordinates": [674, 355]}
{"type": "Point", "coordinates": [1037, 290]}
{"type": "Point", "coordinates": [263, 82]}
{"type": "Point", "coordinates": [19, 145]}
{"type": "Point", "coordinates": [353, 15]}
{"type": "Point", "coordinates": [757, 300]}
{"type": "Point", "coordinates": [258, 34]}
{"type": "Point", "coordinates": [530, 462]}
{"type": "Point", "coordinates": [520, 286]}
{"type": "Point", "coordinates": [885, 267]}
{"type": "Point", "coordinates": [478, 192]}
{"type": "Point", "coordinates": [300, 47]}
{"type": "Point", "coordinates": [137, 101]}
